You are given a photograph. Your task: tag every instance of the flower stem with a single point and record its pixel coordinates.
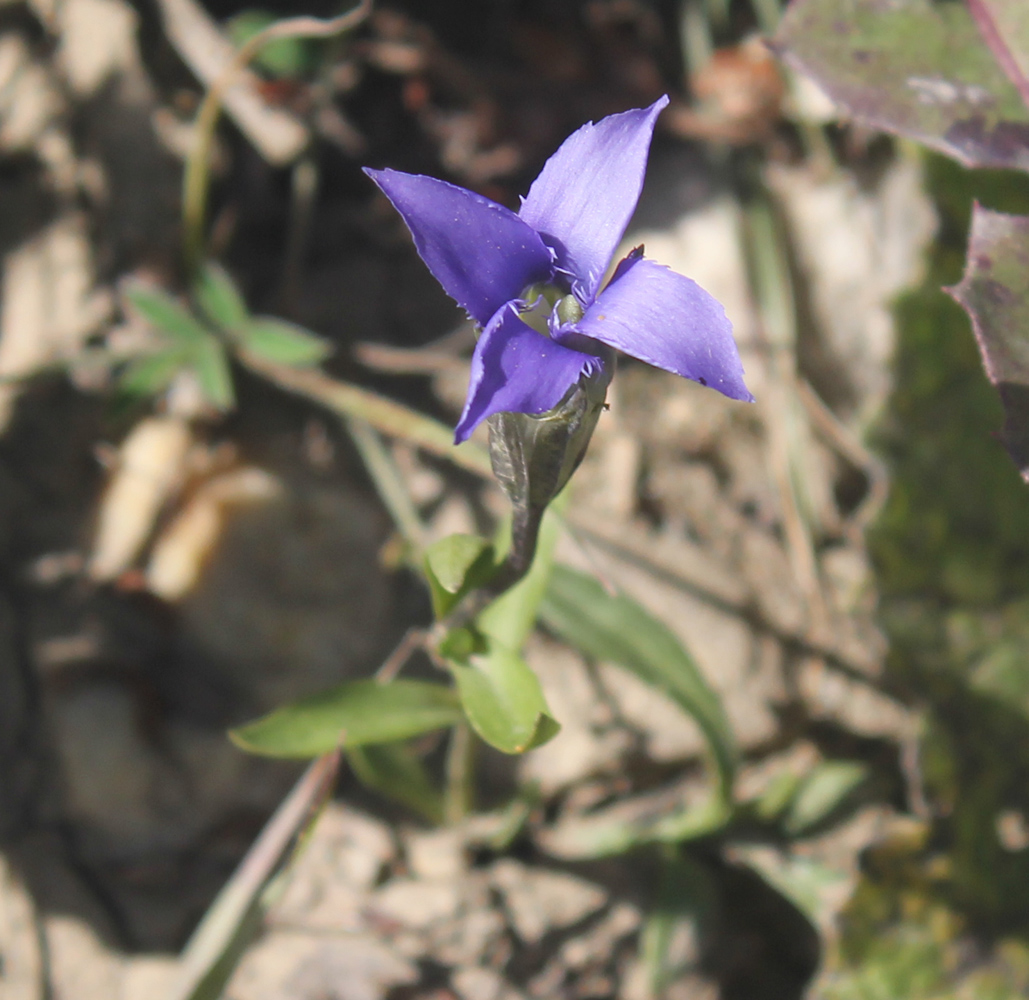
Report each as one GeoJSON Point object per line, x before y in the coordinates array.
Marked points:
{"type": "Point", "coordinates": [195, 181]}
{"type": "Point", "coordinates": [458, 797]}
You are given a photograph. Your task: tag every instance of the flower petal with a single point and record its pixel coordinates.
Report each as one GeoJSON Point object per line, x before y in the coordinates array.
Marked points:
{"type": "Point", "coordinates": [587, 191]}
{"type": "Point", "coordinates": [515, 369]}
{"type": "Point", "coordinates": [480, 252]}
{"type": "Point", "coordinates": [658, 316]}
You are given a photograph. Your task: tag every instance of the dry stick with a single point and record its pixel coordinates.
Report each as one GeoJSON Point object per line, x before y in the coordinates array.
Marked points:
{"type": "Point", "coordinates": [218, 933]}
{"type": "Point", "coordinates": [195, 180]}
{"type": "Point", "coordinates": [414, 639]}
{"type": "Point", "coordinates": [784, 418]}
{"type": "Point", "coordinates": [849, 446]}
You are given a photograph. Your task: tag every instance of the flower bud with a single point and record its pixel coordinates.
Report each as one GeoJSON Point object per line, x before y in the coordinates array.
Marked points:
{"type": "Point", "coordinates": [534, 456]}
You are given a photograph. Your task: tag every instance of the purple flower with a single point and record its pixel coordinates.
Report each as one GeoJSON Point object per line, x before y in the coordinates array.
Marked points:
{"type": "Point", "coordinates": [532, 280]}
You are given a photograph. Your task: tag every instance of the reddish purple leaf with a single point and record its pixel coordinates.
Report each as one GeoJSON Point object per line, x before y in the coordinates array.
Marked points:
{"type": "Point", "coordinates": [920, 69]}
{"type": "Point", "coordinates": [995, 294]}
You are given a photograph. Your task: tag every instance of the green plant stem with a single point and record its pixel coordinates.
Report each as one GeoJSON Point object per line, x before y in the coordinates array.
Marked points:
{"type": "Point", "coordinates": [389, 483]}
{"type": "Point", "coordinates": [768, 13]}
{"type": "Point", "coordinates": [458, 800]}
{"type": "Point", "coordinates": [195, 181]}
{"type": "Point", "coordinates": [386, 416]}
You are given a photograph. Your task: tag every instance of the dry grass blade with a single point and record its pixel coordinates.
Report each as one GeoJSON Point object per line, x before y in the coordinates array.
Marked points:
{"type": "Point", "coordinates": [213, 950]}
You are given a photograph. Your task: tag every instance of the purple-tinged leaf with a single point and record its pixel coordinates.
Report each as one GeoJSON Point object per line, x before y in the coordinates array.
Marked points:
{"type": "Point", "coordinates": [995, 293]}
{"type": "Point", "coordinates": [1004, 26]}
{"type": "Point", "coordinates": [913, 67]}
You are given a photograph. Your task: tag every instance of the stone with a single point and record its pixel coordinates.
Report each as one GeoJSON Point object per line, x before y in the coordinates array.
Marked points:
{"type": "Point", "coordinates": [538, 900]}
{"type": "Point", "coordinates": [292, 599]}
{"type": "Point", "coordinates": [582, 748]}
{"type": "Point", "coordinates": [290, 965]}
{"type": "Point", "coordinates": [413, 903]}
{"type": "Point", "coordinates": [49, 305]}
{"type": "Point", "coordinates": [22, 966]}
{"type": "Point", "coordinates": [435, 854]}
{"type": "Point", "coordinates": [477, 983]}
{"type": "Point", "coordinates": [97, 39]}
{"type": "Point", "coordinates": [329, 884]}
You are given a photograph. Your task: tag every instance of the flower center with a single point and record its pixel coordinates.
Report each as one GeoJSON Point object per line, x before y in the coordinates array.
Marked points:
{"type": "Point", "coordinates": [543, 301]}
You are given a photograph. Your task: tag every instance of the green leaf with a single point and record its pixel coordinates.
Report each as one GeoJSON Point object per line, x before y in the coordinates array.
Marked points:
{"type": "Point", "coordinates": [686, 895]}
{"type": "Point", "coordinates": [617, 630]}
{"type": "Point", "coordinates": [150, 374]}
{"type": "Point", "coordinates": [167, 316]}
{"type": "Point", "coordinates": [995, 293]}
{"type": "Point", "coordinates": [918, 68]}
{"type": "Point", "coordinates": [821, 793]}
{"type": "Point", "coordinates": [218, 297]}
{"type": "Point", "coordinates": [356, 712]}
{"type": "Point", "coordinates": [283, 343]}
{"type": "Point", "coordinates": [213, 373]}
{"type": "Point", "coordinates": [394, 770]}
{"type": "Point", "coordinates": [653, 817]}
{"type": "Point", "coordinates": [512, 616]}
{"type": "Point", "coordinates": [454, 566]}
{"type": "Point", "coordinates": [283, 57]}
{"type": "Point", "coordinates": [503, 699]}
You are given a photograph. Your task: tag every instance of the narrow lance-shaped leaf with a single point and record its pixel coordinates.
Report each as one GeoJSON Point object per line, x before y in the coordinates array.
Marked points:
{"type": "Point", "coordinates": [213, 373]}
{"type": "Point", "coordinates": [353, 714]}
{"type": "Point", "coordinates": [219, 298]}
{"type": "Point", "coordinates": [918, 68]}
{"type": "Point", "coordinates": [394, 770]}
{"type": "Point", "coordinates": [283, 343]}
{"type": "Point", "coordinates": [995, 293]}
{"type": "Point", "coordinates": [821, 793]}
{"type": "Point", "coordinates": [150, 374]}
{"type": "Point", "coordinates": [167, 316]}
{"type": "Point", "coordinates": [616, 629]}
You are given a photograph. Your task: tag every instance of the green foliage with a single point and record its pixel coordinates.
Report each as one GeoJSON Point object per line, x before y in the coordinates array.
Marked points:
{"type": "Point", "coordinates": [502, 697]}
{"type": "Point", "coordinates": [616, 629]}
{"type": "Point", "coordinates": [284, 57]}
{"type": "Point", "coordinates": [282, 343]}
{"type": "Point", "coordinates": [202, 344]}
{"type": "Point", "coordinates": [454, 566]}
{"type": "Point", "coordinates": [353, 714]}
{"type": "Point", "coordinates": [189, 345]}
{"type": "Point", "coordinates": [511, 618]}
{"type": "Point", "coordinates": [952, 558]}
{"type": "Point", "coordinates": [917, 68]}
{"type": "Point", "coordinates": [821, 793]}
{"type": "Point", "coordinates": [397, 772]}
{"type": "Point", "coordinates": [953, 524]}
{"type": "Point", "coordinates": [218, 297]}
